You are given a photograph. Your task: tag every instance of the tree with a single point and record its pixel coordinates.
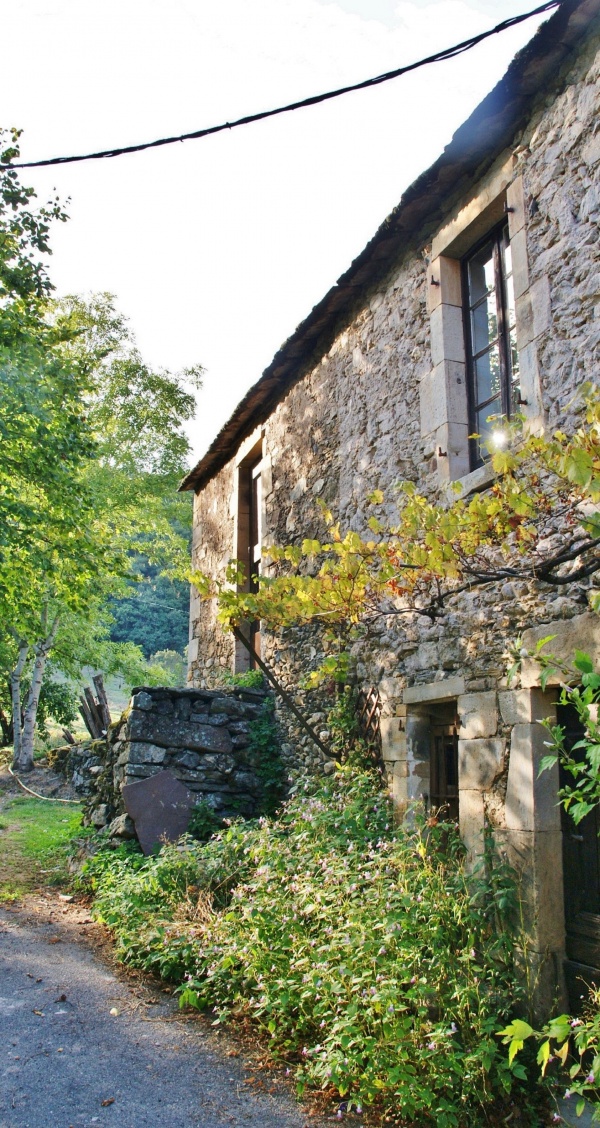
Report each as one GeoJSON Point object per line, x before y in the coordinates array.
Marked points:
{"type": "Point", "coordinates": [90, 449]}
{"type": "Point", "coordinates": [539, 520]}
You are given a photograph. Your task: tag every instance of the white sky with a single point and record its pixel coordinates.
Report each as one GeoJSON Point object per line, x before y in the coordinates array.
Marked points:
{"type": "Point", "coordinates": [218, 248]}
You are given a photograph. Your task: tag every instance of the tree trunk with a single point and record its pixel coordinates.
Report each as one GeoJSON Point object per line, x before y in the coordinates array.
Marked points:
{"type": "Point", "coordinates": [24, 763]}
{"type": "Point", "coordinates": [15, 691]}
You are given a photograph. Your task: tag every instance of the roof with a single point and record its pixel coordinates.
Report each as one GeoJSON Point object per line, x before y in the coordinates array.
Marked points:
{"type": "Point", "coordinates": [473, 148]}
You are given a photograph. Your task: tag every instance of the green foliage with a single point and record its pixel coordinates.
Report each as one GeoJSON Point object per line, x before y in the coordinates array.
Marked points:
{"type": "Point", "coordinates": [434, 549]}
{"type": "Point", "coordinates": [250, 679]}
{"type": "Point", "coordinates": [263, 746]}
{"type": "Point", "coordinates": [582, 759]}
{"type": "Point", "coordinates": [204, 822]}
{"type": "Point", "coordinates": [572, 1044]}
{"type": "Point", "coordinates": [375, 967]}
{"type": "Point", "coordinates": [154, 614]}
{"type": "Point", "coordinates": [36, 842]}
{"type": "Point", "coordinates": [92, 444]}
{"type": "Point", "coordinates": [568, 1046]}
{"type": "Point", "coordinates": [58, 702]}
{"type": "Point", "coordinates": [346, 740]}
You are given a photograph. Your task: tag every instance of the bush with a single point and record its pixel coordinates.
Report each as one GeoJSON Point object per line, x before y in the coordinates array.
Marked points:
{"type": "Point", "coordinates": [375, 967]}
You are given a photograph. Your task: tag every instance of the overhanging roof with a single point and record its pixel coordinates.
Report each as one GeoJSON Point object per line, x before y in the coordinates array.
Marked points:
{"type": "Point", "coordinates": [423, 206]}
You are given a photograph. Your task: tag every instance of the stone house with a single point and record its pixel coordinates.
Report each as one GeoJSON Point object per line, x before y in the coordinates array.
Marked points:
{"type": "Point", "coordinates": [480, 293]}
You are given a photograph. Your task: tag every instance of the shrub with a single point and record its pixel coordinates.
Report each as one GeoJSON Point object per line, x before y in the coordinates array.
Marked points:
{"type": "Point", "coordinates": [375, 967]}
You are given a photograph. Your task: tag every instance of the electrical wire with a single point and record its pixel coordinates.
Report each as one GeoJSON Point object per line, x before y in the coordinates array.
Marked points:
{"type": "Point", "coordinates": [314, 100]}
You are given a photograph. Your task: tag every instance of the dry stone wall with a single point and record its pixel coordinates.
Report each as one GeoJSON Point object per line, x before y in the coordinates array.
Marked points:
{"type": "Point", "coordinates": [202, 737]}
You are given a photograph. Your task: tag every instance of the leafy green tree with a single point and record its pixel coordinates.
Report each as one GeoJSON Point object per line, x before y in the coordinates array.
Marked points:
{"type": "Point", "coordinates": [91, 445]}
{"type": "Point", "coordinates": [154, 614]}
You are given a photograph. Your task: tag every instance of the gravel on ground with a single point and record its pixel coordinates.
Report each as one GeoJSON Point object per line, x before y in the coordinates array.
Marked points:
{"type": "Point", "coordinates": [84, 1044]}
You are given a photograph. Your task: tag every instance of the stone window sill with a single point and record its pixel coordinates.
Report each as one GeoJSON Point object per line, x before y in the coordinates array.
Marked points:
{"type": "Point", "coordinates": [478, 479]}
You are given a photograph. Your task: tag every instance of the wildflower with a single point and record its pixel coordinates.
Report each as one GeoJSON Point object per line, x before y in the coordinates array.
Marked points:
{"type": "Point", "coordinates": [391, 1008]}
{"type": "Point", "coordinates": [431, 1045]}
{"type": "Point", "coordinates": [576, 1022]}
{"type": "Point", "coordinates": [453, 1028]}
{"type": "Point", "coordinates": [567, 1094]}
{"type": "Point", "coordinates": [590, 1079]}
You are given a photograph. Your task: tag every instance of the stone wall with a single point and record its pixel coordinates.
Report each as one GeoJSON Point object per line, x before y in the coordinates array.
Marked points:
{"type": "Point", "coordinates": [357, 421]}
{"type": "Point", "coordinates": [202, 738]}
{"type": "Point", "coordinates": [353, 423]}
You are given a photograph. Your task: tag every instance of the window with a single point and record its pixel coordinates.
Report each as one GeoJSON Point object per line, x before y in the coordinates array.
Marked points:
{"type": "Point", "coordinates": [254, 547]}
{"type": "Point", "coordinates": [490, 338]}
{"type": "Point", "coordinates": [248, 539]}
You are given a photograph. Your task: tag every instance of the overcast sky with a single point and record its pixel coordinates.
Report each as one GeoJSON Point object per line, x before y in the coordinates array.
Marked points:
{"type": "Point", "coordinates": [217, 249]}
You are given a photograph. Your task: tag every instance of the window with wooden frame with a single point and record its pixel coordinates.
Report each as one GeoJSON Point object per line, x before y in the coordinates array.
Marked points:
{"type": "Point", "coordinates": [249, 541]}
{"type": "Point", "coordinates": [492, 360]}
{"type": "Point", "coordinates": [443, 782]}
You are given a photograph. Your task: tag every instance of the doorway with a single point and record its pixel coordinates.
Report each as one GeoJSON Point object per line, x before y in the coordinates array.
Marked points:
{"type": "Point", "coordinates": [581, 863]}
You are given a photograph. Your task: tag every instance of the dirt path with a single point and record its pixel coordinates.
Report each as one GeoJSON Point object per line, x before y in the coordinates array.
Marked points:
{"type": "Point", "coordinates": [83, 1044]}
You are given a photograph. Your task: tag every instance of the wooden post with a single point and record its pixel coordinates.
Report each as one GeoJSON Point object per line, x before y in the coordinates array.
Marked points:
{"type": "Point", "coordinates": [277, 686]}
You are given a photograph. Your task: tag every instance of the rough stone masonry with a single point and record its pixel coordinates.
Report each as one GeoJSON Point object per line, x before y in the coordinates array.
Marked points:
{"type": "Point", "coordinates": [202, 736]}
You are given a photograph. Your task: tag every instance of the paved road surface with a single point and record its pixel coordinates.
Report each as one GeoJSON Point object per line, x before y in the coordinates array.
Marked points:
{"type": "Point", "coordinates": [63, 1053]}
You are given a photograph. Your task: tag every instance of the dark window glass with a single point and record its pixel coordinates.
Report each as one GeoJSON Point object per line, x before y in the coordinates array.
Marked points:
{"type": "Point", "coordinates": [491, 344]}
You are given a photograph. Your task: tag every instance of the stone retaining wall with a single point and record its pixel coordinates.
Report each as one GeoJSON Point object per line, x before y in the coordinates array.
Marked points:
{"type": "Point", "coordinates": [203, 737]}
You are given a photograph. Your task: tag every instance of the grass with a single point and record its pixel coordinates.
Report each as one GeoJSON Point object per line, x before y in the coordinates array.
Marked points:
{"type": "Point", "coordinates": [35, 840]}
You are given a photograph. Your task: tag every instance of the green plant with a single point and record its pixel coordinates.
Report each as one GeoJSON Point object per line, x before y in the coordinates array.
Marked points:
{"type": "Point", "coordinates": [36, 841]}
{"type": "Point", "coordinates": [250, 679]}
{"type": "Point", "coordinates": [565, 1040]}
{"type": "Point", "coordinates": [346, 740]}
{"type": "Point", "coordinates": [204, 822]}
{"type": "Point", "coordinates": [263, 747]}
{"type": "Point", "coordinates": [377, 968]}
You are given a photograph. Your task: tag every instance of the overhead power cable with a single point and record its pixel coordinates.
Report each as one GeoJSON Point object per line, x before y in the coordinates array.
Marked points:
{"type": "Point", "coordinates": [314, 100]}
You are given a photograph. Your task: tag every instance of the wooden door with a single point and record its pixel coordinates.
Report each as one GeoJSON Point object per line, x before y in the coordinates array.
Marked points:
{"type": "Point", "coordinates": [581, 865]}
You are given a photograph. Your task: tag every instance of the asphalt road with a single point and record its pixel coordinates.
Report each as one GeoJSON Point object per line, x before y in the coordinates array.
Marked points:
{"type": "Point", "coordinates": [82, 1044]}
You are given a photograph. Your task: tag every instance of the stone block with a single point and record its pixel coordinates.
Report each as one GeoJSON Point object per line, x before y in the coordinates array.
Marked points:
{"type": "Point", "coordinates": [582, 632]}
{"type": "Point", "coordinates": [471, 814]}
{"type": "Point", "coordinates": [531, 798]}
{"type": "Point", "coordinates": [525, 706]}
{"type": "Point", "coordinates": [393, 738]}
{"type": "Point", "coordinates": [531, 388]}
{"type": "Point", "coordinates": [524, 320]}
{"type": "Point", "coordinates": [536, 857]}
{"type": "Point", "coordinates": [446, 273]}
{"type": "Point", "coordinates": [479, 762]}
{"type": "Point", "coordinates": [447, 334]}
{"type": "Point", "coordinates": [142, 701]}
{"type": "Point", "coordinates": [443, 396]}
{"type": "Point", "coordinates": [515, 202]}
{"type": "Point", "coordinates": [141, 753]}
{"type": "Point", "coordinates": [518, 245]}
{"type": "Point", "coordinates": [169, 732]}
{"type": "Point", "coordinates": [443, 690]}
{"type": "Point", "coordinates": [230, 706]}
{"type": "Point", "coordinates": [478, 714]}
{"type": "Point", "coordinates": [541, 305]}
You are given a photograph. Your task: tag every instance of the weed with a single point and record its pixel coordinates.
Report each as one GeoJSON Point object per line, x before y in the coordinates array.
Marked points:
{"type": "Point", "coordinates": [36, 839]}
{"type": "Point", "coordinates": [361, 949]}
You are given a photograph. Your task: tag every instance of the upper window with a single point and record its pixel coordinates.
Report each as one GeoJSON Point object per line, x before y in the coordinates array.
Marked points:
{"type": "Point", "coordinates": [490, 338]}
